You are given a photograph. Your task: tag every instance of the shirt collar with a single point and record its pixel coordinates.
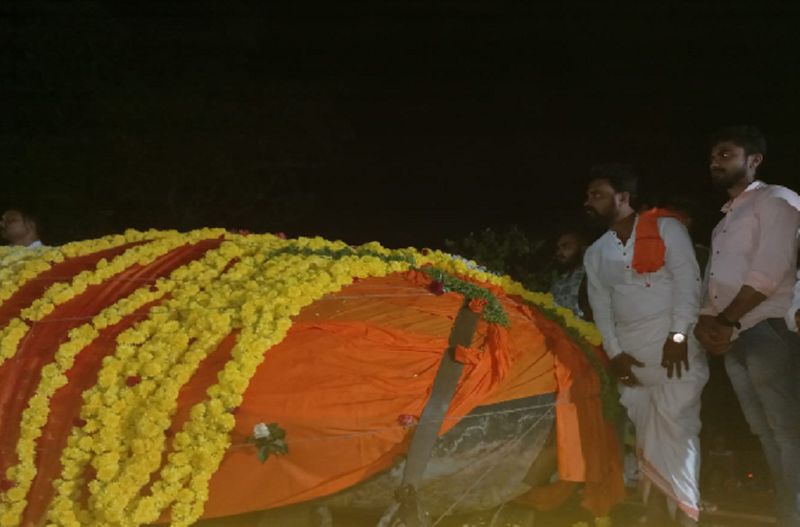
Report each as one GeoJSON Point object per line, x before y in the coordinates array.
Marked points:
{"type": "Point", "coordinates": [755, 185]}
{"type": "Point", "coordinates": [35, 245]}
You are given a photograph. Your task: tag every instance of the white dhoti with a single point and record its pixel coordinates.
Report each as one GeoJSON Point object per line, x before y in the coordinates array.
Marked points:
{"type": "Point", "coordinates": [666, 414]}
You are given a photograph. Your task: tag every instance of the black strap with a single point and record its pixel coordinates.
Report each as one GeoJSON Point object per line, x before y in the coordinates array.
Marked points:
{"type": "Point", "coordinates": [430, 422]}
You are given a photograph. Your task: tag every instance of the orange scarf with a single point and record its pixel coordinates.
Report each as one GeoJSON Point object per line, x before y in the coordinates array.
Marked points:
{"type": "Point", "coordinates": [649, 249]}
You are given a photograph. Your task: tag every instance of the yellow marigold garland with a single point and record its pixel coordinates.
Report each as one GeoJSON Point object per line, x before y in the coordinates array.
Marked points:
{"type": "Point", "coordinates": [53, 375]}
{"type": "Point", "coordinates": [210, 316]}
{"type": "Point", "coordinates": [139, 348]}
{"type": "Point", "coordinates": [444, 261]}
{"type": "Point", "coordinates": [62, 292]}
{"type": "Point", "coordinates": [124, 435]}
{"type": "Point", "coordinates": [12, 503]}
{"type": "Point", "coordinates": [205, 437]}
{"type": "Point", "coordinates": [19, 266]}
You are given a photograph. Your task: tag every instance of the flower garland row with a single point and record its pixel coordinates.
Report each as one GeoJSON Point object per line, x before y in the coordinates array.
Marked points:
{"type": "Point", "coordinates": [492, 313]}
{"type": "Point", "coordinates": [53, 375]}
{"type": "Point", "coordinates": [318, 277]}
{"type": "Point", "coordinates": [323, 276]}
{"type": "Point", "coordinates": [120, 431]}
{"type": "Point", "coordinates": [106, 461]}
{"type": "Point", "coordinates": [19, 266]}
{"type": "Point", "coordinates": [62, 292]}
{"type": "Point", "coordinates": [124, 490]}
{"type": "Point", "coordinates": [252, 285]}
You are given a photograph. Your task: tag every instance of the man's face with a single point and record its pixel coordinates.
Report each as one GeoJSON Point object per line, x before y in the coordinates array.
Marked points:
{"type": "Point", "coordinates": [729, 164]}
{"type": "Point", "coordinates": [568, 251]}
{"type": "Point", "coordinates": [14, 227]}
{"type": "Point", "coordinates": [602, 202]}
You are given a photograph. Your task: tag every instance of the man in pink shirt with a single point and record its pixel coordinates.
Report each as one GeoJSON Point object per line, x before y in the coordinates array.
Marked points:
{"type": "Point", "coordinates": [749, 282]}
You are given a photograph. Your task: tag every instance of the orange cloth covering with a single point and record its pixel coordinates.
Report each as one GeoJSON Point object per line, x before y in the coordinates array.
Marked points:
{"type": "Point", "coordinates": [587, 444]}
{"type": "Point", "coordinates": [351, 365]}
{"type": "Point", "coordinates": [649, 249]}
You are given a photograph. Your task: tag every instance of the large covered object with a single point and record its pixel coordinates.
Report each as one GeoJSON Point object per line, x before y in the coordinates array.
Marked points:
{"type": "Point", "coordinates": [139, 372]}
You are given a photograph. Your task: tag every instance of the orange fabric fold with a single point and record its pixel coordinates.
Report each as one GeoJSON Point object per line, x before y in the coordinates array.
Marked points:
{"type": "Point", "coordinates": [587, 445]}
{"type": "Point", "coordinates": [468, 355]}
{"type": "Point", "coordinates": [648, 249]}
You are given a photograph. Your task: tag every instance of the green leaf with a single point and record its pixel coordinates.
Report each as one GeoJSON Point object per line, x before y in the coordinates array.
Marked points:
{"type": "Point", "coordinates": [277, 432]}
{"type": "Point", "coordinates": [263, 453]}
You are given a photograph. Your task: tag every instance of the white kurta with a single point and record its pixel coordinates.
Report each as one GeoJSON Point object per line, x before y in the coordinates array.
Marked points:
{"type": "Point", "coordinates": [635, 314]}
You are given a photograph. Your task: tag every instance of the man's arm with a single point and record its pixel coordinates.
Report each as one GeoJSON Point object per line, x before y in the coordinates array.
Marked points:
{"type": "Point", "coordinates": [622, 364]}
{"type": "Point", "coordinates": [681, 263]}
{"type": "Point", "coordinates": [600, 301]}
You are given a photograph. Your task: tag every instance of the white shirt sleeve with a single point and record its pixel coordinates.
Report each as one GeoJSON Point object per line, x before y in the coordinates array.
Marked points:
{"type": "Point", "coordinates": [790, 316]}
{"type": "Point", "coordinates": [600, 300]}
{"type": "Point", "coordinates": [681, 263]}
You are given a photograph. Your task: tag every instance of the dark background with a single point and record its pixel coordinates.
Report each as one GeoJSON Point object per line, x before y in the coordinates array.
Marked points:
{"type": "Point", "coordinates": [406, 122]}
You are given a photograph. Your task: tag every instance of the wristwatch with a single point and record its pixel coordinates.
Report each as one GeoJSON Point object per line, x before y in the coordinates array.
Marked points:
{"type": "Point", "coordinates": [725, 321]}
{"type": "Point", "coordinates": [677, 337]}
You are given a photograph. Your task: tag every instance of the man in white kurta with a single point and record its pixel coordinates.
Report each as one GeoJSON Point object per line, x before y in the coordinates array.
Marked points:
{"type": "Point", "coordinates": [638, 314]}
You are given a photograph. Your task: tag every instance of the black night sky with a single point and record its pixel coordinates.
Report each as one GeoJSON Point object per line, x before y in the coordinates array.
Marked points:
{"type": "Point", "coordinates": [402, 121]}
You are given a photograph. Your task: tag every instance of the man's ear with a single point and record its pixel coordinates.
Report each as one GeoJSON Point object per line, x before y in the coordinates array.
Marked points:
{"type": "Point", "coordinates": [754, 160]}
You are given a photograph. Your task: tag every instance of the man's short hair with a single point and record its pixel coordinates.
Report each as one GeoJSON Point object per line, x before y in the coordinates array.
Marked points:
{"type": "Point", "coordinates": [621, 176]}
{"type": "Point", "coordinates": [748, 137]}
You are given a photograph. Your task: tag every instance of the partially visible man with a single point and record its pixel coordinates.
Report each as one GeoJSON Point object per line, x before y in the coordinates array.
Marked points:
{"type": "Point", "coordinates": [749, 285]}
{"type": "Point", "coordinates": [19, 227]}
{"type": "Point", "coordinates": [644, 289]}
{"type": "Point", "coordinates": [570, 247]}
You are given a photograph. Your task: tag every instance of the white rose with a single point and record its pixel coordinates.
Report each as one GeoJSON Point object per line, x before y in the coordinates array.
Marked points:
{"type": "Point", "coordinates": [261, 431]}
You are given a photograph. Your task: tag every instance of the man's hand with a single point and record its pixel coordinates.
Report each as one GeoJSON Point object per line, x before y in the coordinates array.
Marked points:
{"type": "Point", "coordinates": [715, 337]}
{"type": "Point", "coordinates": [622, 367]}
{"type": "Point", "coordinates": [675, 355]}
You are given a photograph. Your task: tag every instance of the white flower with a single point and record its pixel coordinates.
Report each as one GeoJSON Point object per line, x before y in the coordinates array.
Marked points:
{"type": "Point", "coordinates": [261, 431]}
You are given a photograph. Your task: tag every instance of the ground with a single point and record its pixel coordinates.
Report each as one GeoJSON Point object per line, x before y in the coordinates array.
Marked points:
{"type": "Point", "coordinates": [742, 507]}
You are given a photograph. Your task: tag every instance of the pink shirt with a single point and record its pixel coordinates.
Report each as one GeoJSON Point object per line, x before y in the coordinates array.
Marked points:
{"type": "Point", "coordinates": [755, 244]}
